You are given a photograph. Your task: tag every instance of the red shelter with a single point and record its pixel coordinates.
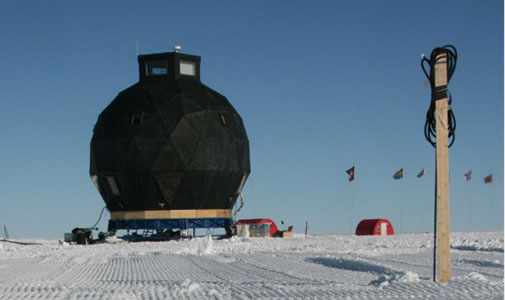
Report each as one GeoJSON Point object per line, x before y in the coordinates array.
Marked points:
{"type": "Point", "coordinates": [375, 227]}
{"type": "Point", "coordinates": [273, 227]}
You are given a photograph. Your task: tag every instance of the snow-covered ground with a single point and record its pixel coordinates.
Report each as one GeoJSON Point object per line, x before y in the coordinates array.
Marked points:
{"type": "Point", "coordinates": [316, 267]}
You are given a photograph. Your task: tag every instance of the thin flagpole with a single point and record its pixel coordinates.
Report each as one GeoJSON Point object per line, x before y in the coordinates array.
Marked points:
{"type": "Point", "coordinates": [424, 212]}
{"type": "Point", "coordinates": [491, 214]}
{"type": "Point", "coordinates": [424, 216]}
{"type": "Point", "coordinates": [401, 205]}
{"type": "Point", "coordinates": [352, 207]}
{"type": "Point", "coordinates": [470, 208]}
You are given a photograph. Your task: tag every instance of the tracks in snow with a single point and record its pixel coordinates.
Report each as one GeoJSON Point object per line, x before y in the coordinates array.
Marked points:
{"type": "Point", "coordinates": [241, 270]}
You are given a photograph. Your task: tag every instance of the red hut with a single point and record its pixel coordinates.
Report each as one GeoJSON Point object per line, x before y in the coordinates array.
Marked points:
{"type": "Point", "coordinates": [375, 227]}
{"type": "Point", "coordinates": [273, 227]}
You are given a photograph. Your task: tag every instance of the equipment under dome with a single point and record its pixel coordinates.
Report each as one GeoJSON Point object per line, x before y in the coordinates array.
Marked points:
{"type": "Point", "coordinates": [169, 152]}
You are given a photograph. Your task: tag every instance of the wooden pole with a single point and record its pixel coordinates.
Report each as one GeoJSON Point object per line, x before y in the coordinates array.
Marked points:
{"type": "Point", "coordinates": [435, 218]}
{"type": "Point", "coordinates": [443, 207]}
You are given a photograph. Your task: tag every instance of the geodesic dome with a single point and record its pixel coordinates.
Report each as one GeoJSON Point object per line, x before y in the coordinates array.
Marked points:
{"type": "Point", "coordinates": [169, 142]}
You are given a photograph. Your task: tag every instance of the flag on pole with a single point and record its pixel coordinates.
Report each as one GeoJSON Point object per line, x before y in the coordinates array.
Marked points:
{"type": "Point", "coordinates": [421, 174]}
{"type": "Point", "coordinates": [488, 179]}
{"type": "Point", "coordinates": [468, 175]}
{"type": "Point", "coordinates": [350, 172]}
{"type": "Point", "coordinates": [398, 174]}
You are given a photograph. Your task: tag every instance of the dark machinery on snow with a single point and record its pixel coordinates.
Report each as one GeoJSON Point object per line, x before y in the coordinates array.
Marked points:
{"type": "Point", "coordinates": [169, 153]}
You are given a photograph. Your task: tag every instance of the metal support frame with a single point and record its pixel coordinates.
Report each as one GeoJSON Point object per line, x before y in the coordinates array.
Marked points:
{"type": "Point", "coordinates": [162, 224]}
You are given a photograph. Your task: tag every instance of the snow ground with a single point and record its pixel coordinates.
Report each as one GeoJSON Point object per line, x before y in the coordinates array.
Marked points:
{"type": "Point", "coordinates": [316, 267]}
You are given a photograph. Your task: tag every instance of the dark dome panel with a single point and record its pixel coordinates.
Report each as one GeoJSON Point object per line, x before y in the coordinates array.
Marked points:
{"type": "Point", "coordinates": [186, 138]}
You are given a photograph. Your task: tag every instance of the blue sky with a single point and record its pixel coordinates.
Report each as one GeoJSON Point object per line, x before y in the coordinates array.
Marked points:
{"type": "Point", "coordinates": [321, 86]}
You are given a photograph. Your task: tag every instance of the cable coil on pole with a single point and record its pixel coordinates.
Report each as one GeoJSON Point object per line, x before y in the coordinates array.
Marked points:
{"type": "Point", "coordinates": [446, 56]}
{"type": "Point", "coordinates": [440, 92]}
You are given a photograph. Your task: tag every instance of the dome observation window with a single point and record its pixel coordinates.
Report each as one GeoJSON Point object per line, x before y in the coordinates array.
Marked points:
{"type": "Point", "coordinates": [113, 186]}
{"type": "Point", "coordinates": [136, 118]}
{"type": "Point", "coordinates": [187, 67]}
{"type": "Point", "coordinates": [157, 67]}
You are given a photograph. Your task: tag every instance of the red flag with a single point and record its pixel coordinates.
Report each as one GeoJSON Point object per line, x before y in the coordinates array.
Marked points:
{"type": "Point", "coordinates": [421, 174]}
{"type": "Point", "coordinates": [469, 175]}
{"type": "Point", "coordinates": [350, 172]}
{"type": "Point", "coordinates": [488, 179]}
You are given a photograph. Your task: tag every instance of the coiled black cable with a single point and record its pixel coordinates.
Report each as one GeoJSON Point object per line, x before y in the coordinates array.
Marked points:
{"type": "Point", "coordinates": [430, 131]}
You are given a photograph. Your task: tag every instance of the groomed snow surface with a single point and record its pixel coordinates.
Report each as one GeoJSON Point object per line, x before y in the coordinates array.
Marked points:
{"type": "Point", "coordinates": [316, 267]}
